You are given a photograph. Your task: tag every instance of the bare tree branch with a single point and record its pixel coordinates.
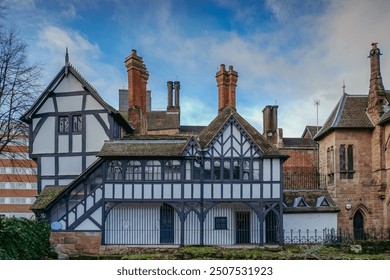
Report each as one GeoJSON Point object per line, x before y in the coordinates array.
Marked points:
{"type": "Point", "coordinates": [19, 84]}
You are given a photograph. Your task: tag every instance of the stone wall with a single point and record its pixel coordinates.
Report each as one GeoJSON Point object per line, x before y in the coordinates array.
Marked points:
{"type": "Point", "coordinates": [75, 243]}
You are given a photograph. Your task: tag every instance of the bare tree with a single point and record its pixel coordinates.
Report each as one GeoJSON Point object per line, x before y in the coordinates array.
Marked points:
{"type": "Point", "coordinates": [18, 85]}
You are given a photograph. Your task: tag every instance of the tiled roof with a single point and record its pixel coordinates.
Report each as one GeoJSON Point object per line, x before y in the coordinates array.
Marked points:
{"type": "Point", "coordinates": [188, 129]}
{"type": "Point", "coordinates": [209, 133]}
{"type": "Point", "coordinates": [160, 120]}
{"type": "Point", "coordinates": [298, 142]}
{"type": "Point", "coordinates": [350, 112]}
{"type": "Point", "coordinates": [47, 195]}
{"type": "Point", "coordinates": [310, 197]}
{"type": "Point", "coordinates": [145, 146]}
{"type": "Point", "coordinates": [311, 130]}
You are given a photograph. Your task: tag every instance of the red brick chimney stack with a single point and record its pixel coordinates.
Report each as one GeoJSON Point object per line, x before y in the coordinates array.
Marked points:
{"type": "Point", "coordinates": [377, 90]}
{"type": "Point", "coordinates": [137, 82]}
{"type": "Point", "coordinates": [233, 77]}
{"type": "Point", "coordinates": [227, 83]}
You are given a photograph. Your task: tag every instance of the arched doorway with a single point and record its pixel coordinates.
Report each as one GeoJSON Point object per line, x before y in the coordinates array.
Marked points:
{"type": "Point", "coordinates": [358, 225]}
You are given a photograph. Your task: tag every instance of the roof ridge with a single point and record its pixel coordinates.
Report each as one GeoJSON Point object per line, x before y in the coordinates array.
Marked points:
{"type": "Point", "coordinates": [340, 109]}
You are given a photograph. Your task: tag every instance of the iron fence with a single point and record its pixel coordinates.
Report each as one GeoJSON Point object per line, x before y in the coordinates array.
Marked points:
{"type": "Point", "coordinates": [336, 236]}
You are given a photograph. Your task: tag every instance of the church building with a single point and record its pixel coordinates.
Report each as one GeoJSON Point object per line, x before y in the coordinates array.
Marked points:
{"type": "Point", "coordinates": [355, 157]}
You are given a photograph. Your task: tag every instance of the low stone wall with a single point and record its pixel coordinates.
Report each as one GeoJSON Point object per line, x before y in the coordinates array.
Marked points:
{"type": "Point", "coordinates": [75, 243]}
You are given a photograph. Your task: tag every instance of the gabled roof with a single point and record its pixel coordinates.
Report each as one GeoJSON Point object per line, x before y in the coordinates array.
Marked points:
{"type": "Point", "coordinates": [210, 132]}
{"type": "Point", "coordinates": [310, 131]}
{"type": "Point", "coordinates": [350, 112]}
{"type": "Point", "coordinates": [145, 146]}
{"type": "Point", "coordinates": [64, 72]}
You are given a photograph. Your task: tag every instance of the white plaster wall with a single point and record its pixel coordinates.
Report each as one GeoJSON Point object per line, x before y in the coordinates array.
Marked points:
{"type": "Point", "coordinates": [64, 182]}
{"type": "Point", "coordinates": [69, 84]}
{"type": "Point", "coordinates": [44, 140]}
{"type": "Point", "coordinates": [47, 166]}
{"type": "Point", "coordinates": [47, 107]}
{"type": "Point", "coordinates": [104, 117]}
{"type": "Point", "coordinates": [46, 183]}
{"type": "Point", "coordinates": [92, 104]}
{"type": "Point", "coordinates": [90, 160]}
{"type": "Point", "coordinates": [309, 221]}
{"type": "Point", "coordinates": [63, 143]}
{"type": "Point", "coordinates": [70, 103]}
{"type": "Point", "coordinates": [76, 143]}
{"type": "Point", "coordinates": [69, 165]}
{"type": "Point", "coordinates": [95, 134]}
{"type": "Point", "coordinates": [267, 169]}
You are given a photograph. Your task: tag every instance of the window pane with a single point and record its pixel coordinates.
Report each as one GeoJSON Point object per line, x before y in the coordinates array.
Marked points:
{"type": "Point", "coordinates": [63, 125]}
{"type": "Point", "coordinates": [76, 123]}
{"type": "Point", "coordinates": [342, 158]}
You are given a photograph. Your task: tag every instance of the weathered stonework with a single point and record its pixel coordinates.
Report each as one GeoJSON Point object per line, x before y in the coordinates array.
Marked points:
{"type": "Point", "coordinates": [75, 243]}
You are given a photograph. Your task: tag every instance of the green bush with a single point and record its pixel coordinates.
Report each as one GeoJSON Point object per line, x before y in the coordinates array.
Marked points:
{"type": "Point", "coordinates": [23, 239]}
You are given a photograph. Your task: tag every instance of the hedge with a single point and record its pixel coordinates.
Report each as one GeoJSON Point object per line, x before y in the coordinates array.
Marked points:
{"type": "Point", "coordinates": [23, 239]}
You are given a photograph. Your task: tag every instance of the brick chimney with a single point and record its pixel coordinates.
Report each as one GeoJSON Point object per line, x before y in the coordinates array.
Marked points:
{"type": "Point", "coordinates": [170, 95]}
{"type": "Point", "coordinates": [376, 96]}
{"type": "Point", "coordinates": [137, 80]}
{"type": "Point", "coordinates": [270, 123]}
{"type": "Point", "coordinates": [176, 85]}
{"type": "Point", "coordinates": [227, 83]}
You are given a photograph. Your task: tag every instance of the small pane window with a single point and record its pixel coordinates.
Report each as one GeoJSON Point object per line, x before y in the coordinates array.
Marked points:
{"type": "Point", "coordinates": [133, 170]}
{"type": "Point", "coordinates": [63, 124]}
{"type": "Point", "coordinates": [220, 223]}
{"type": "Point", "coordinates": [114, 170]}
{"type": "Point", "coordinates": [77, 123]}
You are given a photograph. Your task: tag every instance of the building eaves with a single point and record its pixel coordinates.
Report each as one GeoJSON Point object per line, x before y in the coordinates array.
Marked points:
{"type": "Point", "coordinates": [158, 146]}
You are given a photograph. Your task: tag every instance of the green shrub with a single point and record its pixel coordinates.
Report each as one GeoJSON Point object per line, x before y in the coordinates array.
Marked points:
{"type": "Point", "coordinates": [23, 239]}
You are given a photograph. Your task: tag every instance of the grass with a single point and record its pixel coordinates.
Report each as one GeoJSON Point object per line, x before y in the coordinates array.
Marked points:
{"type": "Point", "coordinates": [288, 252]}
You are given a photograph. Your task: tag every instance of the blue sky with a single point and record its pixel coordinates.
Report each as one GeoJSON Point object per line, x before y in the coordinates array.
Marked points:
{"type": "Point", "coordinates": [286, 52]}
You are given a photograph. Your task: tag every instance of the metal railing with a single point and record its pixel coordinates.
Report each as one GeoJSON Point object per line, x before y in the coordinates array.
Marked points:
{"type": "Point", "coordinates": [336, 236]}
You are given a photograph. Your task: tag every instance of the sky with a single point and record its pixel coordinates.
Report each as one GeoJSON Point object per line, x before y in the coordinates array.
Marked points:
{"type": "Point", "coordinates": [289, 53]}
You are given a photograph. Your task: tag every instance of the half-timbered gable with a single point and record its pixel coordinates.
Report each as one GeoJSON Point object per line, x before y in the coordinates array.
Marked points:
{"type": "Point", "coordinates": [68, 125]}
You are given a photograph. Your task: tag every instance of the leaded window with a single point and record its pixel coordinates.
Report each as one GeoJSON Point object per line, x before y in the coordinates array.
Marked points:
{"type": "Point", "coordinates": [63, 124]}
{"type": "Point", "coordinates": [172, 170]}
{"type": "Point", "coordinates": [153, 170]}
{"type": "Point", "coordinates": [346, 162]}
{"type": "Point", "coordinates": [77, 123]}
{"type": "Point", "coordinates": [133, 170]}
{"type": "Point", "coordinates": [330, 164]}
{"type": "Point", "coordinates": [114, 170]}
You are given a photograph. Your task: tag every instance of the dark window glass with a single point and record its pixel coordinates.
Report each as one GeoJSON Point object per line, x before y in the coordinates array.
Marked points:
{"type": "Point", "coordinates": [220, 223]}
{"type": "Point", "coordinates": [77, 123]}
{"type": "Point", "coordinates": [63, 124]}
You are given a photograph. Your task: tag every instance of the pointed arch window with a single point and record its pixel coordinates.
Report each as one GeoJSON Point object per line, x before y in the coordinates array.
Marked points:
{"type": "Point", "coordinates": [346, 162]}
